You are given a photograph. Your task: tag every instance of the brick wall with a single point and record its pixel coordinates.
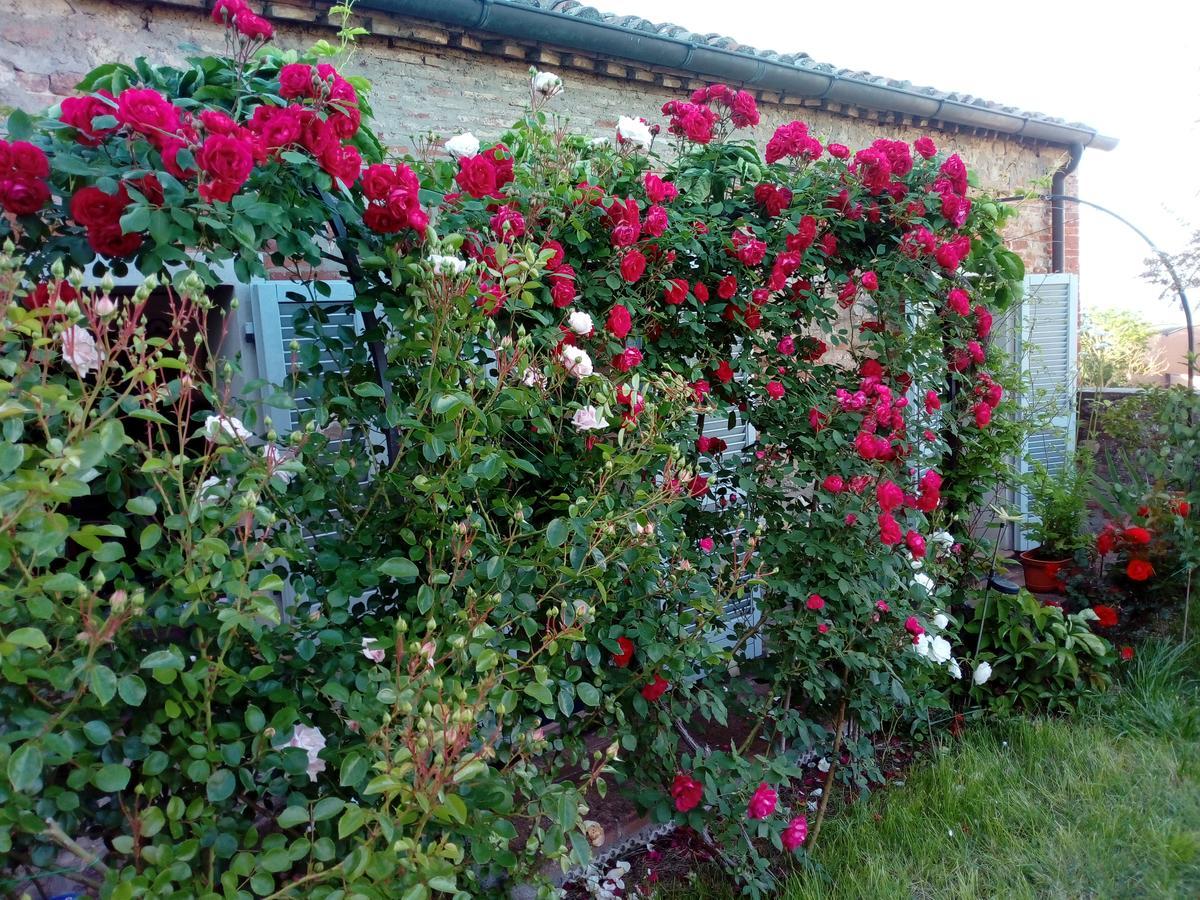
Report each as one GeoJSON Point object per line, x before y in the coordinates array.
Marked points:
{"type": "Point", "coordinates": [430, 79]}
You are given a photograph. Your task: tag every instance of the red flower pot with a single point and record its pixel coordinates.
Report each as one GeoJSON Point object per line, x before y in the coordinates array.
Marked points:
{"type": "Point", "coordinates": [1042, 575]}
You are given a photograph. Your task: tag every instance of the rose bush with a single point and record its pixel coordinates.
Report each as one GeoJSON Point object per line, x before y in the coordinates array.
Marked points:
{"type": "Point", "coordinates": [399, 649]}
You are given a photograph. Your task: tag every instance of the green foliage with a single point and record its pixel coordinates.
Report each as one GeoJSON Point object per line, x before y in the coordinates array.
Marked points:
{"type": "Point", "coordinates": [367, 652]}
{"type": "Point", "coordinates": [1058, 507]}
{"type": "Point", "coordinates": [1037, 656]}
{"type": "Point", "coordinates": [1115, 349]}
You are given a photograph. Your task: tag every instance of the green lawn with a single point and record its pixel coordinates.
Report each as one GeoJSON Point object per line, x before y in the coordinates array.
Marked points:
{"type": "Point", "coordinates": [1105, 804]}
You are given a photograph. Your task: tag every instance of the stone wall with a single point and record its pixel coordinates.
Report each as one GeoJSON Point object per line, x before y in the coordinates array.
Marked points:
{"type": "Point", "coordinates": [427, 78]}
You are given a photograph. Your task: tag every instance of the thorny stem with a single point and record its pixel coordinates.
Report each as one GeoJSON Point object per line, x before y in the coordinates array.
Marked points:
{"type": "Point", "coordinates": [833, 765]}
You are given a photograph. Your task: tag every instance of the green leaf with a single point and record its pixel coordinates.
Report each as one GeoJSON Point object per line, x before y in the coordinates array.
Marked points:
{"type": "Point", "coordinates": [111, 778]}
{"type": "Point", "coordinates": [25, 768]}
{"type": "Point", "coordinates": [292, 816]}
{"type": "Point", "coordinates": [132, 689]}
{"type": "Point", "coordinates": [163, 659]}
{"type": "Point", "coordinates": [398, 567]}
{"type": "Point", "coordinates": [141, 506]}
{"type": "Point", "coordinates": [327, 808]}
{"type": "Point", "coordinates": [556, 532]}
{"type": "Point", "coordinates": [588, 693]}
{"type": "Point", "coordinates": [103, 683]}
{"type": "Point", "coordinates": [220, 786]}
{"type": "Point", "coordinates": [27, 637]}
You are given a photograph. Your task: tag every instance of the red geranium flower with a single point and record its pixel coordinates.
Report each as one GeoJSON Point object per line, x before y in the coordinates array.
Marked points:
{"type": "Point", "coordinates": [1137, 535]}
{"type": "Point", "coordinates": [1106, 616]}
{"type": "Point", "coordinates": [1139, 570]}
{"type": "Point", "coordinates": [1126, 654]}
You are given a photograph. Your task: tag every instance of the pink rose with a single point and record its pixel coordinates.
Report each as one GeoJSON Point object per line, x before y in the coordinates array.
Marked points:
{"type": "Point", "coordinates": [762, 804]}
{"type": "Point", "coordinates": [707, 544]}
{"type": "Point", "coordinates": [795, 833]}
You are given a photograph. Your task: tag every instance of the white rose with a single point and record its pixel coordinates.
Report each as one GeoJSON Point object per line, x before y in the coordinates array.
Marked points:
{"type": "Point", "coordinates": [923, 645]}
{"type": "Point", "coordinates": [955, 669]}
{"type": "Point", "coordinates": [983, 672]}
{"type": "Point", "coordinates": [547, 84]}
{"type": "Point", "coordinates": [924, 581]}
{"type": "Point", "coordinates": [229, 426]}
{"type": "Point", "coordinates": [447, 265]}
{"type": "Point", "coordinates": [371, 652]}
{"type": "Point", "coordinates": [940, 650]}
{"type": "Point", "coordinates": [633, 131]}
{"type": "Point", "coordinates": [312, 742]}
{"type": "Point", "coordinates": [587, 419]}
{"type": "Point", "coordinates": [580, 322]}
{"type": "Point", "coordinates": [80, 350]}
{"type": "Point", "coordinates": [462, 145]}
{"type": "Point", "coordinates": [576, 361]}
{"type": "Point", "coordinates": [534, 377]}
{"type": "Point", "coordinates": [941, 621]}
{"type": "Point", "coordinates": [945, 538]}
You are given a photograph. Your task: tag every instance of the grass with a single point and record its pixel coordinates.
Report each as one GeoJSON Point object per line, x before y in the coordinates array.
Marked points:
{"type": "Point", "coordinates": [1104, 804]}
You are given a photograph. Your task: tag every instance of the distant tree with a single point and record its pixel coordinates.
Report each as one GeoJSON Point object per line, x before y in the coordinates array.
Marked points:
{"type": "Point", "coordinates": [1114, 349]}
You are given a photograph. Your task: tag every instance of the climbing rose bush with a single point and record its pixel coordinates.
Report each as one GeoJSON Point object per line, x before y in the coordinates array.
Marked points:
{"type": "Point", "coordinates": [378, 658]}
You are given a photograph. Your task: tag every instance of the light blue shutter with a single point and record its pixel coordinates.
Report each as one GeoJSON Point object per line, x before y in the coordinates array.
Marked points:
{"type": "Point", "coordinates": [275, 316]}
{"type": "Point", "coordinates": [740, 435]}
{"type": "Point", "coordinates": [1047, 349]}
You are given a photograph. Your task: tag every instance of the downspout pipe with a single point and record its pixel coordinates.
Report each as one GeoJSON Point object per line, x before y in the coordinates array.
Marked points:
{"type": "Point", "coordinates": [1058, 215]}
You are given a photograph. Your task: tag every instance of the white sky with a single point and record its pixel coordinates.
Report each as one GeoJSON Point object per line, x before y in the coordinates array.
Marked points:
{"type": "Point", "coordinates": [1132, 70]}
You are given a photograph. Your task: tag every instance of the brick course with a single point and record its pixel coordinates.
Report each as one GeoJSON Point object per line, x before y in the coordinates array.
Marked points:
{"type": "Point", "coordinates": [430, 79]}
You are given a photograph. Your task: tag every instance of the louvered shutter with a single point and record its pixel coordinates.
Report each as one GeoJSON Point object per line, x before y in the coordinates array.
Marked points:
{"type": "Point", "coordinates": [278, 309]}
{"type": "Point", "coordinates": [732, 427]}
{"type": "Point", "coordinates": [1047, 349]}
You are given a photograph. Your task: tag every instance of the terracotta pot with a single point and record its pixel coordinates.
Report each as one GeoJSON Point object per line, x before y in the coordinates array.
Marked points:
{"type": "Point", "coordinates": [1042, 575]}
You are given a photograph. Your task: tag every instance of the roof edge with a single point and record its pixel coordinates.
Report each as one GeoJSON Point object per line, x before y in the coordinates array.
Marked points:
{"type": "Point", "coordinates": [599, 36]}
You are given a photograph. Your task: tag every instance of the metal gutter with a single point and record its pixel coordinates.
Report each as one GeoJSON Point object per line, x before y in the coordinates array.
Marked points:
{"type": "Point", "coordinates": [531, 23]}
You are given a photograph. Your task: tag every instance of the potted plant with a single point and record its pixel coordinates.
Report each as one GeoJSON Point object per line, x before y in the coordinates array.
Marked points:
{"type": "Point", "coordinates": [1058, 512]}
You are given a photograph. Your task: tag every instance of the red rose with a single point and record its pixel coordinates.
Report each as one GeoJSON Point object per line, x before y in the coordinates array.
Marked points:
{"type": "Point", "coordinates": [23, 195]}
{"type": "Point", "coordinates": [477, 176]}
{"type": "Point", "coordinates": [380, 218]}
{"type": "Point", "coordinates": [1106, 616]}
{"type": "Point", "coordinates": [915, 544]}
{"type": "Point", "coordinates": [889, 530]}
{"type": "Point", "coordinates": [557, 256]}
{"type": "Point", "coordinates": [378, 181]}
{"type": "Point", "coordinates": [656, 221]}
{"type": "Point", "coordinates": [277, 126]}
{"type": "Point", "coordinates": [659, 191]}
{"type": "Point", "coordinates": [925, 146]}
{"type": "Point", "coordinates": [835, 484]}
{"type": "Point", "coordinates": [815, 602]}
{"type": "Point", "coordinates": [1181, 507]}
{"type": "Point", "coordinates": [724, 372]}
{"type": "Point", "coordinates": [562, 291]}
{"type": "Point", "coordinates": [78, 112]}
{"type": "Point", "coordinates": [627, 359]}
{"type": "Point", "coordinates": [226, 159]}
{"type": "Point", "coordinates": [656, 688]}
{"type": "Point", "coordinates": [839, 151]}
{"type": "Point", "coordinates": [109, 240]}
{"type": "Point", "coordinates": [502, 163]}
{"type": "Point", "coordinates": [633, 265]}
{"type": "Point", "coordinates": [619, 322]}
{"type": "Point", "coordinates": [687, 792]}
{"type": "Point", "coordinates": [28, 160]}
{"type": "Point", "coordinates": [224, 11]}
{"type": "Point", "coordinates": [698, 486]}
{"type": "Point", "coordinates": [622, 659]}
{"type": "Point", "coordinates": [775, 390]}
{"type": "Point", "coordinates": [1139, 570]}
{"type": "Point", "coordinates": [147, 112]}
{"type": "Point", "coordinates": [252, 26]}
{"type": "Point", "coordinates": [676, 292]}
{"type": "Point", "coordinates": [92, 207]}
{"type": "Point", "coordinates": [1126, 654]}
{"type": "Point", "coordinates": [296, 80]}
{"type": "Point", "coordinates": [342, 162]}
